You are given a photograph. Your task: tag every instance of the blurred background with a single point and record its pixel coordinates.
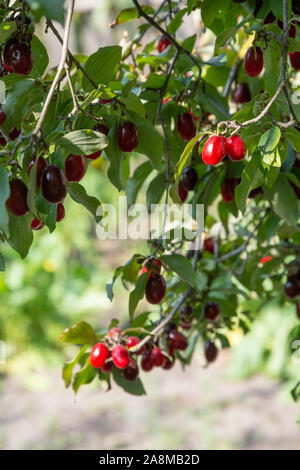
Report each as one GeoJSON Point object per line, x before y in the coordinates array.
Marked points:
{"type": "Point", "coordinates": [241, 402]}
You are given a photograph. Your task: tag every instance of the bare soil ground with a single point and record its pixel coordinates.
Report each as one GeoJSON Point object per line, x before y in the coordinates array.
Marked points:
{"type": "Point", "coordinates": [196, 409]}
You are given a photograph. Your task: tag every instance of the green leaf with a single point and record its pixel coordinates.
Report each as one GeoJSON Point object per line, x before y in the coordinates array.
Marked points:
{"type": "Point", "coordinates": [293, 136]}
{"type": "Point", "coordinates": [135, 183]}
{"type": "Point", "coordinates": [41, 59]}
{"type": "Point", "coordinates": [184, 268]}
{"type": "Point", "coordinates": [4, 195]}
{"type": "Point", "coordinates": [296, 392]}
{"type": "Point", "coordinates": [83, 142]}
{"type": "Point", "coordinates": [81, 333]}
{"type": "Point", "coordinates": [284, 200]}
{"type": "Point", "coordinates": [53, 10]}
{"type": "Point", "coordinates": [176, 22]}
{"type": "Point", "coordinates": [101, 66]}
{"type": "Point", "coordinates": [251, 178]}
{"type": "Point", "coordinates": [20, 233]}
{"type": "Point", "coordinates": [68, 367]}
{"type": "Point", "coordinates": [2, 263]}
{"type": "Point", "coordinates": [268, 145]}
{"type": "Point", "coordinates": [129, 14]}
{"type": "Point", "coordinates": [85, 376]}
{"type": "Point", "coordinates": [7, 28]}
{"type": "Point", "coordinates": [92, 204]}
{"type": "Point", "coordinates": [115, 155]}
{"type": "Point", "coordinates": [185, 156]}
{"type": "Point", "coordinates": [134, 388]}
{"type": "Point", "coordinates": [137, 294]}
{"type": "Point", "coordinates": [155, 190]}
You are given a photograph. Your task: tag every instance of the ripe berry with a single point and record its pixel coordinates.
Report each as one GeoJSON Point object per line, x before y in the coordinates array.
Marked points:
{"type": "Point", "coordinates": [208, 245]}
{"type": "Point", "coordinates": [292, 30]}
{"type": "Point", "coordinates": [298, 310]}
{"type": "Point", "coordinates": [228, 187]}
{"type": "Point", "coordinates": [133, 341]}
{"type": "Point", "coordinates": [295, 60]}
{"type": "Point", "coordinates": [235, 148]}
{"type": "Point", "coordinates": [128, 137]}
{"type": "Point", "coordinates": [106, 101]}
{"type": "Point", "coordinates": [54, 186]}
{"type": "Point", "coordinates": [189, 178]}
{"type": "Point", "coordinates": [210, 351]}
{"type": "Point", "coordinates": [157, 357]}
{"type": "Point", "coordinates": [169, 363]}
{"type": "Point", "coordinates": [17, 201]}
{"type": "Point", "coordinates": [60, 212]}
{"type": "Point", "coordinates": [114, 333]}
{"type": "Point", "coordinates": [41, 165]}
{"type": "Point", "coordinates": [177, 340]}
{"type": "Point", "coordinates": [2, 117]}
{"type": "Point", "coordinates": [103, 130]}
{"type": "Point", "coordinates": [214, 150]}
{"type": "Point", "coordinates": [292, 287]}
{"type": "Point", "coordinates": [7, 53]}
{"type": "Point", "coordinates": [186, 126]}
{"type": "Point", "coordinates": [21, 58]}
{"type": "Point", "coordinates": [242, 93]}
{"type": "Point", "coordinates": [155, 289]}
{"type": "Point", "coordinates": [270, 18]}
{"type": "Point", "coordinates": [182, 192]}
{"type": "Point", "coordinates": [107, 366]}
{"type": "Point", "coordinates": [212, 311]}
{"type": "Point", "coordinates": [37, 224]}
{"type": "Point", "coordinates": [163, 44]}
{"type": "Point", "coordinates": [132, 371]}
{"type": "Point", "coordinates": [98, 355]}
{"type": "Point", "coordinates": [14, 133]}
{"type": "Point", "coordinates": [254, 61]}
{"type": "Point", "coordinates": [120, 356]}
{"type": "Point", "coordinates": [3, 142]}
{"type": "Point", "coordinates": [255, 192]}
{"type": "Point", "coordinates": [74, 168]}
{"type": "Point", "coordinates": [146, 362]}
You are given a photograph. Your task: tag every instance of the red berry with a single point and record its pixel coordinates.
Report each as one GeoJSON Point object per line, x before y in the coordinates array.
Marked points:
{"type": "Point", "coordinates": [295, 60]}
{"type": "Point", "coordinates": [54, 187]}
{"type": "Point", "coordinates": [132, 371]}
{"type": "Point", "coordinates": [2, 117]}
{"type": "Point", "coordinates": [120, 356]}
{"type": "Point", "coordinates": [169, 363]}
{"type": "Point", "coordinates": [208, 245]}
{"type": "Point", "coordinates": [3, 142]}
{"type": "Point", "coordinates": [298, 310]}
{"type": "Point", "coordinates": [106, 101]}
{"type": "Point", "coordinates": [17, 201]}
{"type": "Point", "coordinates": [146, 362]}
{"type": "Point", "coordinates": [21, 58]}
{"type": "Point", "coordinates": [255, 192]}
{"type": "Point", "coordinates": [210, 351]}
{"type": "Point", "coordinates": [254, 61]}
{"type": "Point", "coordinates": [98, 355]}
{"type": "Point", "coordinates": [270, 18]}
{"type": "Point", "coordinates": [41, 165]}
{"type": "Point", "coordinates": [74, 168]}
{"type": "Point", "coordinates": [60, 212]}
{"type": "Point", "coordinates": [103, 130]}
{"type": "Point", "coordinates": [155, 289]}
{"type": "Point", "coordinates": [133, 341]}
{"type": "Point", "coordinates": [292, 287]}
{"type": "Point", "coordinates": [163, 44]}
{"type": "Point", "coordinates": [7, 53]}
{"type": "Point", "coordinates": [212, 311]}
{"type": "Point", "coordinates": [292, 30]}
{"type": "Point", "coordinates": [128, 137]}
{"type": "Point", "coordinates": [235, 148]}
{"type": "Point", "coordinates": [37, 224]}
{"type": "Point", "coordinates": [214, 150]}
{"type": "Point", "coordinates": [114, 333]}
{"type": "Point", "coordinates": [182, 192]}
{"type": "Point", "coordinates": [157, 357]}
{"type": "Point", "coordinates": [14, 133]}
{"type": "Point", "coordinates": [107, 366]}
{"type": "Point", "coordinates": [242, 93]}
{"type": "Point", "coordinates": [228, 187]}
{"type": "Point", "coordinates": [186, 126]}
{"type": "Point", "coordinates": [189, 178]}
{"type": "Point", "coordinates": [266, 259]}
{"type": "Point", "coordinates": [177, 340]}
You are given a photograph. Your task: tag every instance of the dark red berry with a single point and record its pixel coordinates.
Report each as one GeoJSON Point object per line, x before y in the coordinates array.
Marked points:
{"type": "Point", "coordinates": [146, 362]}
{"type": "Point", "coordinates": [295, 60]}
{"type": "Point", "coordinates": [128, 137]}
{"type": "Point", "coordinates": [255, 192]}
{"type": "Point", "coordinates": [3, 142]}
{"type": "Point", "coordinates": [212, 311]}
{"type": "Point", "coordinates": [74, 168]}
{"type": "Point", "coordinates": [182, 192]}
{"type": "Point", "coordinates": [21, 58]}
{"type": "Point", "coordinates": [292, 287]}
{"type": "Point", "coordinates": [132, 371]}
{"type": "Point", "coordinates": [210, 351]}
{"type": "Point", "coordinates": [103, 130]}
{"type": "Point", "coordinates": [186, 126]}
{"type": "Point", "coordinates": [157, 357]}
{"type": "Point", "coordinates": [54, 186]}
{"type": "Point", "coordinates": [254, 61]}
{"type": "Point", "coordinates": [98, 355]}
{"type": "Point", "coordinates": [17, 201]}
{"type": "Point", "coordinates": [37, 224]}
{"type": "Point", "coordinates": [7, 53]}
{"type": "Point", "coordinates": [163, 44]}
{"type": "Point", "coordinates": [60, 212]}
{"type": "Point", "coordinates": [107, 366]}
{"type": "Point", "coordinates": [235, 148]}
{"type": "Point", "coordinates": [177, 340]}
{"type": "Point", "coordinates": [155, 289]}
{"type": "Point", "coordinates": [14, 133]}
{"type": "Point", "coordinates": [214, 150]}
{"type": "Point", "coordinates": [169, 363]}
{"type": "Point", "coordinates": [292, 30]}
{"type": "Point", "coordinates": [189, 178]}
{"type": "Point", "coordinates": [270, 18]}
{"type": "Point", "coordinates": [106, 101]}
{"type": "Point", "coordinates": [228, 187]}
{"type": "Point", "coordinates": [120, 356]}
{"type": "Point", "coordinates": [208, 245]}
{"type": "Point", "coordinates": [2, 117]}
{"type": "Point", "coordinates": [242, 93]}
{"type": "Point", "coordinates": [41, 165]}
